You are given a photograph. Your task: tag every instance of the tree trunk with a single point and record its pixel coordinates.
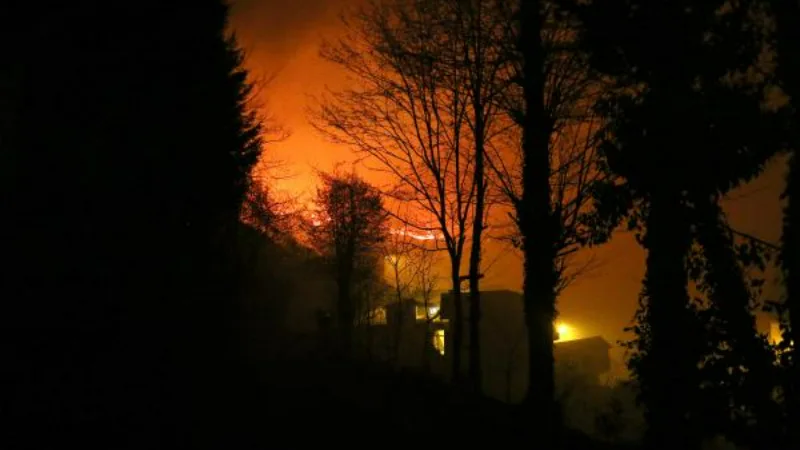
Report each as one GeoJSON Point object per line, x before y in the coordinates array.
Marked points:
{"type": "Point", "coordinates": [426, 348]}
{"type": "Point", "coordinates": [345, 312]}
{"type": "Point", "coordinates": [397, 326]}
{"type": "Point", "coordinates": [475, 365]}
{"type": "Point", "coordinates": [787, 18]}
{"type": "Point", "coordinates": [539, 235]}
{"type": "Point", "coordinates": [475, 371]}
{"type": "Point", "coordinates": [368, 332]}
{"type": "Point", "coordinates": [458, 323]}
{"type": "Point", "coordinates": [734, 323]}
{"type": "Point", "coordinates": [427, 340]}
{"type": "Point", "coordinates": [668, 368]}
{"type": "Point", "coordinates": [790, 261]}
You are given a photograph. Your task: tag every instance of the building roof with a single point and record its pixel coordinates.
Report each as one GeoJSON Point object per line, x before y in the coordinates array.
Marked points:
{"type": "Point", "coordinates": [593, 341]}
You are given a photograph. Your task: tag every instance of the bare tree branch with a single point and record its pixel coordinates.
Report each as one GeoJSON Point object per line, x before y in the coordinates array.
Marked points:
{"type": "Point", "coordinates": [750, 237]}
{"type": "Point", "coordinates": [570, 89]}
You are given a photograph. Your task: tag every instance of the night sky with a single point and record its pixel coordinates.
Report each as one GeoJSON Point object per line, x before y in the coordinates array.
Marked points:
{"type": "Point", "coordinates": [282, 41]}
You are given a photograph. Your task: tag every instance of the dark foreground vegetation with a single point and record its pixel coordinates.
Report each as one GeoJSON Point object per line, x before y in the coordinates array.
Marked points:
{"type": "Point", "coordinates": [407, 408]}
{"type": "Point", "coordinates": [148, 274]}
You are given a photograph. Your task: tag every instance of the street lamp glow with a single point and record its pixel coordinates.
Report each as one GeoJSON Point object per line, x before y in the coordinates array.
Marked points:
{"type": "Point", "coordinates": [565, 332]}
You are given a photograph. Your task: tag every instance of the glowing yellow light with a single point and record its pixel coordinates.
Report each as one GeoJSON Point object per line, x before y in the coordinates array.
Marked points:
{"type": "Point", "coordinates": [427, 236]}
{"type": "Point", "coordinates": [379, 316]}
{"type": "Point", "coordinates": [431, 314]}
{"type": "Point", "coordinates": [565, 332]}
{"type": "Point", "coordinates": [775, 333]}
{"type": "Point", "coordinates": [438, 341]}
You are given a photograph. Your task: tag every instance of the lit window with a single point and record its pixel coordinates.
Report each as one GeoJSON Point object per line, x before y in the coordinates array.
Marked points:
{"type": "Point", "coordinates": [775, 333]}
{"type": "Point", "coordinates": [378, 316]}
{"type": "Point", "coordinates": [438, 341]}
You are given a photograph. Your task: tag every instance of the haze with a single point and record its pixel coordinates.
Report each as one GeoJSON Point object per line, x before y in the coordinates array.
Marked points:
{"type": "Point", "coordinates": [282, 42]}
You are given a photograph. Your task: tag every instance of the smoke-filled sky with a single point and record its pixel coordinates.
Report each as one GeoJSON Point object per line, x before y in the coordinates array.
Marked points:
{"type": "Point", "coordinates": [282, 38]}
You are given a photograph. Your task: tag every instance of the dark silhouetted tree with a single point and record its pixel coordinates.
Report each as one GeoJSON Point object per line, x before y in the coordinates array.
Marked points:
{"type": "Point", "coordinates": [787, 37]}
{"type": "Point", "coordinates": [738, 374]}
{"type": "Point", "coordinates": [535, 217]}
{"type": "Point", "coordinates": [349, 227]}
{"type": "Point", "coordinates": [476, 26]}
{"type": "Point", "coordinates": [685, 124]}
{"type": "Point", "coordinates": [547, 173]}
{"type": "Point", "coordinates": [410, 276]}
{"type": "Point", "coordinates": [129, 143]}
{"type": "Point", "coordinates": [407, 110]}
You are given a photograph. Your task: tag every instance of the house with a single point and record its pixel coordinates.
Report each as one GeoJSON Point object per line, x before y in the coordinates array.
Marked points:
{"type": "Point", "coordinates": [588, 356]}
{"type": "Point", "coordinates": [504, 346]}
{"type": "Point", "coordinates": [408, 333]}
{"type": "Point", "coordinates": [419, 335]}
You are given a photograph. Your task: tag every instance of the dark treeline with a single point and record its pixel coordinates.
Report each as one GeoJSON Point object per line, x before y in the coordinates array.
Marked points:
{"type": "Point", "coordinates": [126, 153]}
{"type": "Point", "coordinates": [151, 285]}
{"type": "Point", "coordinates": [685, 126]}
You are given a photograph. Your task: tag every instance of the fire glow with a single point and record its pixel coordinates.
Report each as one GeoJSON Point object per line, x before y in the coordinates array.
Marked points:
{"type": "Point", "coordinates": [318, 219]}
{"type": "Point", "coordinates": [428, 236]}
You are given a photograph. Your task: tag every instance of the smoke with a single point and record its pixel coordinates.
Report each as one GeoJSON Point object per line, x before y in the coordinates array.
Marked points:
{"type": "Point", "coordinates": [281, 27]}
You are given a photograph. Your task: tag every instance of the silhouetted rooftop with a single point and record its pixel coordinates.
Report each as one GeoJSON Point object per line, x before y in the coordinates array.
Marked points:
{"type": "Point", "coordinates": [584, 342]}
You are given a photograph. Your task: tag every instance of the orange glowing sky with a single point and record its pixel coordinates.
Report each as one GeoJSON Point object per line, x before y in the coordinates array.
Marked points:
{"type": "Point", "coordinates": [282, 38]}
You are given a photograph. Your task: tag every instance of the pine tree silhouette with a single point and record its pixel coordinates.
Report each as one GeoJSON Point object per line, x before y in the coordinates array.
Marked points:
{"type": "Point", "coordinates": [131, 144]}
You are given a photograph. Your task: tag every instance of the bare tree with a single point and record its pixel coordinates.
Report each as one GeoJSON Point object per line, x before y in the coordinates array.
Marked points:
{"type": "Point", "coordinates": [573, 173]}
{"type": "Point", "coordinates": [478, 25]}
{"type": "Point", "coordinates": [349, 227]}
{"type": "Point", "coordinates": [399, 253]}
{"type": "Point", "coordinates": [268, 213]}
{"type": "Point", "coordinates": [410, 277]}
{"type": "Point", "coordinates": [549, 98]}
{"type": "Point", "coordinates": [425, 285]}
{"type": "Point", "coordinates": [370, 297]}
{"type": "Point", "coordinates": [262, 208]}
{"type": "Point", "coordinates": [408, 112]}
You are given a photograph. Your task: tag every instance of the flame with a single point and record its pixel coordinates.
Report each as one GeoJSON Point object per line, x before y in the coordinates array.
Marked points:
{"type": "Point", "coordinates": [427, 236]}
{"type": "Point", "coordinates": [317, 219]}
